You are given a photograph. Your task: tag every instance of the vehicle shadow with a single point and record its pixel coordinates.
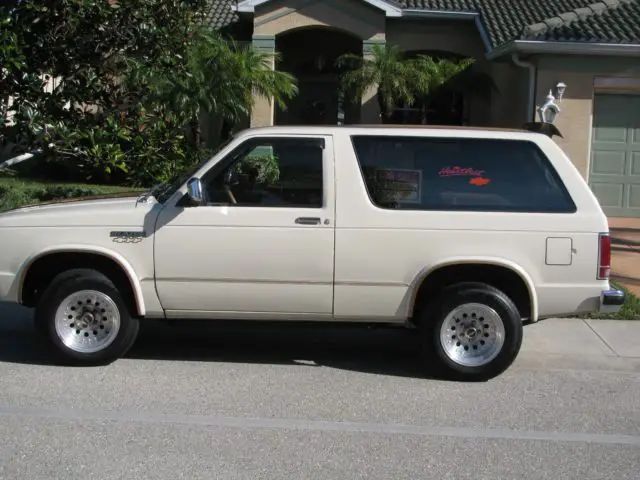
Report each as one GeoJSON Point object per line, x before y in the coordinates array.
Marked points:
{"type": "Point", "coordinates": [374, 350]}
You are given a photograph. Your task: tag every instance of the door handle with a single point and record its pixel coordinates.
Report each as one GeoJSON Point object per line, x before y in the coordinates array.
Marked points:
{"type": "Point", "coordinates": [308, 220]}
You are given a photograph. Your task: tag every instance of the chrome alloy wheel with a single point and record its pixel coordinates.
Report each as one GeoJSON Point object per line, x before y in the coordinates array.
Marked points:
{"type": "Point", "coordinates": [87, 321]}
{"type": "Point", "coordinates": [472, 335]}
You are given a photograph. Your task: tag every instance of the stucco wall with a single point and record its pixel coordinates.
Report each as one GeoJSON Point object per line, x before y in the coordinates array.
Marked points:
{"type": "Point", "coordinates": [459, 37]}
{"type": "Point", "coordinates": [575, 118]}
{"type": "Point", "coordinates": [351, 16]}
{"type": "Point", "coordinates": [508, 107]}
{"type": "Point", "coordinates": [455, 36]}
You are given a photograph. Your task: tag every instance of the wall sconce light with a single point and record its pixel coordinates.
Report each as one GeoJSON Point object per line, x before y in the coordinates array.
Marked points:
{"type": "Point", "coordinates": [560, 88]}
{"type": "Point", "coordinates": [549, 110]}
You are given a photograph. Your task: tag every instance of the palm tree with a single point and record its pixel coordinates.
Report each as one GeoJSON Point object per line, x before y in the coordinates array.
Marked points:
{"type": "Point", "coordinates": [252, 75]}
{"type": "Point", "coordinates": [402, 79]}
{"type": "Point", "coordinates": [386, 69]}
{"type": "Point", "coordinates": [433, 75]}
{"type": "Point", "coordinates": [221, 78]}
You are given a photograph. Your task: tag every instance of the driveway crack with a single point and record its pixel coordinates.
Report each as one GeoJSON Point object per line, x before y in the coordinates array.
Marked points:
{"type": "Point", "coordinates": [601, 338]}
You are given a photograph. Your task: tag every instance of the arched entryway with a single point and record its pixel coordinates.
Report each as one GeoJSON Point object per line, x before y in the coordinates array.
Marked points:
{"type": "Point", "coordinates": [310, 54]}
{"type": "Point", "coordinates": [449, 105]}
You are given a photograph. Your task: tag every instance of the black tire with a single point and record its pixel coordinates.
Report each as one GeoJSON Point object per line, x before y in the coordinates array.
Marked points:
{"type": "Point", "coordinates": [72, 282]}
{"type": "Point", "coordinates": [40, 320]}
{"type": "Point", "coordinates": [453, 297]}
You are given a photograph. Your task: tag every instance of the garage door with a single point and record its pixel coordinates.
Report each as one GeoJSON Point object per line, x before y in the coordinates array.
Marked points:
{"type": "Point", "coordinates": [614, 173]}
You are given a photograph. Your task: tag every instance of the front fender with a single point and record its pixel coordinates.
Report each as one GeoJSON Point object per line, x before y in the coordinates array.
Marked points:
{"type": "Point", "coordinates": [477, 260]}
{"type": "Point", "coordinates": [106, 252]}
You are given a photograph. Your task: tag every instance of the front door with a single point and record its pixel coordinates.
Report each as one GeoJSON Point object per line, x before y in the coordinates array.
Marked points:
{"type": "Point", "coordinates": [262, 246]}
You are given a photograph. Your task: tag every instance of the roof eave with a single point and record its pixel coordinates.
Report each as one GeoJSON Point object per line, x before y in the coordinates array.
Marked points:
{"type": "Point", "coordinates": [565, 48]}
{"type": "Point", "coordinates": [249, 6]}
{"type": "Point", "coordinates": [453, 15]}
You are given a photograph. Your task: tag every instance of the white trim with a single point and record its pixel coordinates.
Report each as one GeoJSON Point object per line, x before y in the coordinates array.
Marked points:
{"type": "Point", "coordinates": [568, 48]}
{"type": "Point", "coordinates": [249, 6]}
{"type": "Point", "coordinates": [617, 84]}
{"type": "Point", "coordinates": [419, 12]}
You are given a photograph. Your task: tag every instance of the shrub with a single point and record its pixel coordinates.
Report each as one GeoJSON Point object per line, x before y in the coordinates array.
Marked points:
{"type": "Point", "coordinates": [126, 83]}
{"type": "Point", "coordinates": [15, 193]}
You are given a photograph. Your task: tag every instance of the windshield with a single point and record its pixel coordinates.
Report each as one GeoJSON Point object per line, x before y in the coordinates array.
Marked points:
{"type": "Point", "coordinates": [164, 191]}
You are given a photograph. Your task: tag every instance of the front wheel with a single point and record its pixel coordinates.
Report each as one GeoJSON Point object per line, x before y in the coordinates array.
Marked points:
{"type": "Point", "coordinates": [474, 333]}
{"type": "Point", "coordinates": [86, 319]}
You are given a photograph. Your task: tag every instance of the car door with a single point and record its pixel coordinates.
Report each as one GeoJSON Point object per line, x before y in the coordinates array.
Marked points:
{"type": "Point", "coordinates": [262, 244]}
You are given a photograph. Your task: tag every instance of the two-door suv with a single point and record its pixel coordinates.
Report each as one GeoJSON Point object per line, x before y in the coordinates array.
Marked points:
{"type": "Point", "coordinates": [461, 233]}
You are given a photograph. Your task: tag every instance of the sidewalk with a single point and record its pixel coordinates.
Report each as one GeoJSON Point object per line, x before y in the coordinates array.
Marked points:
{"type": "Point", "coordinates": [572, 336]}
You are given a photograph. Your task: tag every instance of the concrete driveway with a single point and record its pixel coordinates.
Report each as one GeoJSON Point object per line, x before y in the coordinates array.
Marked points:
{"type": "Point", "coordinates": [233, 403]}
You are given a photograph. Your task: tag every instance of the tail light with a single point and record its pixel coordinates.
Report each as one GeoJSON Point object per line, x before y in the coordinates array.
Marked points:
{"type": "Point", "coordinates": [604, 256]}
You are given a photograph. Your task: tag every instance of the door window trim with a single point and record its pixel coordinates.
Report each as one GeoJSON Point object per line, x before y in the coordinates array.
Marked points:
{"type": "Point", "coordinates": [246, 146]}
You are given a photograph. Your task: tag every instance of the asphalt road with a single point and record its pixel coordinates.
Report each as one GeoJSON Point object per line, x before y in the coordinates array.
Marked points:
{"type": "Point", "coordinates": [297, 403]}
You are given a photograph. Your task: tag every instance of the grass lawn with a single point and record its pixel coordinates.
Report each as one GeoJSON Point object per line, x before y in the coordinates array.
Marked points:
{"type": "Point", "coordinates": [629, 311]}
{"type": "Point", "coordinates": [16, 192]}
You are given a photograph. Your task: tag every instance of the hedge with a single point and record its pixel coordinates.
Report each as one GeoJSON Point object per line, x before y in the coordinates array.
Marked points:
{"type": "Point", "coordinates": [18, 192]}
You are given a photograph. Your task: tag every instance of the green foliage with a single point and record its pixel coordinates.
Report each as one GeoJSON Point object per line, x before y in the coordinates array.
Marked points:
{"type": "Point", "coordinates": [130, 79]}
{"type": "Point", "coordinates": [630, 309]}
{"type": "Point", "coordinates": [16, 193]}
{"type": "Point", "coordinates": [386, 69]}
{"type": "Point", "coordinates": [265, 168]}
{"type": "Point", "coordinates": [221, 78]}
{"type": "Point", "coordinates": [401, 79]}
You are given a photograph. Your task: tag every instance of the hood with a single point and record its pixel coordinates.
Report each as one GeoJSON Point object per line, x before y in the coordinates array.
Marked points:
{"type": "Point", "coordinates": [122, 209]}
{"type": "Point", "coordinates": [79, 199]}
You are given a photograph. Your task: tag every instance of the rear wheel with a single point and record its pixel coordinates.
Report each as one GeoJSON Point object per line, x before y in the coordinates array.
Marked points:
{"type": "Point", "coordinates": [86, 319]}
{"type": "Point", "coordinates": [474, 333]}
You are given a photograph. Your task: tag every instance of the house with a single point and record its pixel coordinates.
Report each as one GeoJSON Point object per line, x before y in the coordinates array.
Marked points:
{"type": "Point", "coordinates": [582, 56]}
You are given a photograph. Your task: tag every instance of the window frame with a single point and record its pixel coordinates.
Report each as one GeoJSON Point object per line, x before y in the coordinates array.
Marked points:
{"type": "Point", "coordinates": [571, 207]}
{"type": "Point", "coordinates": [247, 146]}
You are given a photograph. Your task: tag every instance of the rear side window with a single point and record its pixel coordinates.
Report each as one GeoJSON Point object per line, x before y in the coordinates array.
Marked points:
{"type": "Point", "coordinates": [418, 173]}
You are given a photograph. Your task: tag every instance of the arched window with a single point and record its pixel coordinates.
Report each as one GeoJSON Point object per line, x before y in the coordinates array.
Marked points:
{"type": "Point", "coordinates": [310, 55]}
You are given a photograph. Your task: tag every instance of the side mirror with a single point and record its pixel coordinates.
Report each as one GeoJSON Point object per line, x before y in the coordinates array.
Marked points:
{"type": "Point", "coordinates": [194, 191]}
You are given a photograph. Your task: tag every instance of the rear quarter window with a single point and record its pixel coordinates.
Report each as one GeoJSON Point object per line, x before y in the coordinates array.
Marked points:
{"type": "Point", "coordinates": [467, 174]}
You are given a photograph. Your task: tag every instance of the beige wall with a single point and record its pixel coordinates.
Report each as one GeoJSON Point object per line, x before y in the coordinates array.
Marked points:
{"type": "Point", "coordinates": [575, 118]}
{"type": "Point", "coordinates": [263, 109]}
{"type": "Point", "coordinates": [508, 107]}
{"type": "Point", "coordinates": [459, 37]}
{"type": "Point", "coordinates": [351, 16]}
{"type": "Point", "coordinates": [453, 36]}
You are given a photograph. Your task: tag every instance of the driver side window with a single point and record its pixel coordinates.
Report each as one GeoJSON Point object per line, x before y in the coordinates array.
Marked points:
{"type": "Point", "coordinates": [271, 172]}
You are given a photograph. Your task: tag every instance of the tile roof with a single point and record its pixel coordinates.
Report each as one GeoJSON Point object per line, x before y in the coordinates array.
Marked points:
{"type": "Point", "coordinates": [607, 21]}
{"type": "Point", "coordinates": [219, 13]}
{"type": "Point", "coordinates": [604, 21]}
{"type": "Point", "coordinates": [594, 23]}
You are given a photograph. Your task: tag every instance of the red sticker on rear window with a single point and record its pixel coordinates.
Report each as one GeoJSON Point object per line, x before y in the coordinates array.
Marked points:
{"type": "Point", "coordinates": [479, 181]}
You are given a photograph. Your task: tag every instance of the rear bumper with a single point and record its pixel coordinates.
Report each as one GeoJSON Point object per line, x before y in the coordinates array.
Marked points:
{"type": "Point", "coordinates": [611, 301]}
